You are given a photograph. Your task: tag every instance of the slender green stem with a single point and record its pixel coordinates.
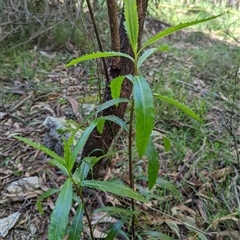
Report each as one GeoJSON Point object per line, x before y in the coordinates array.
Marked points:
{"type": "Point", "coordinates": [79, 192]}
{"type": "Point", "coordinates": [131, 164]}
{"type": "Point", "coordinates": [98, 39]}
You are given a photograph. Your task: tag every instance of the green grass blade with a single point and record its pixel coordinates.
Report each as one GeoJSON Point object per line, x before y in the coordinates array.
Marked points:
{"type": "Point", "coordinates": [116, 85]}
{"type": "Point", "coordinates": [59, 217]}
{"type": "Point", "coordinates": [115, 188]}
{"type": "Point", "coordinates": [131, 23]}
{"type": "Point", "coordinates": [77, 224]}
{"type": "Point", "coordinates": [173, 29]}
{"type": "Point", "coordinates": [153, 165]}
{"type": "Point", "coordinates": [144, 112]}
{"type": "Point", "coordinates": [180, 106]}
{"type": "Point", "coordinates": [98, 55]}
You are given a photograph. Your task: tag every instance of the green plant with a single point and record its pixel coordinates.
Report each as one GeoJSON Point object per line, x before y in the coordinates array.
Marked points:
{"type": "Point", "coordinates": [142, 108]}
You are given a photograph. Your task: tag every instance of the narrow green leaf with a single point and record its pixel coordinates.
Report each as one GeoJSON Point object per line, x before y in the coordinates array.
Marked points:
{"type": "Point", "coordinates": [41, 148]}
{"type": "Point", "coordinates": [149, 52]}
{"type": "Point", "coordinates": [67, 154]}
{"type": "Point", "coordinates": [145, 55]}
{"type": "Point", "coordinates": [100, 125]}
{"type": "Point", "coordinates": [153, 165]}
{"type": "Point", "coordinates": [59, 217]}
{"type": "Point", "coordinates": [98, 55]}
{"type": "Point", "coordinates": [180, 106]}
{"type": "Point", "coordinates": [144, 111]}
{"type": "Point", "coordinates": [130, 77]}
{"type": "Point", "coordinates": [83, 139]}
{"type": "Point", "coordinates": [131, 23]}
{"type": "Point", "coordinates": [115, 229]}
{"type": "Point", "coordinates": [46, 194]}
{"type": "Point", "coordinates": [117, 120]}
{"type": "Point", "coordinates": [116, 85]}
{"type": "Point", "coordinates": [116, 210]}
{"type": "Point", "coordinates": [111, 103]}
{"type": "Point", "coordinates": [77, 224]}
{"type": "Point", "coordinates": [164, 184]}
{"type": "Point", "coordinates": [59, 165]}
{"type": "Point", "coordinates": [173, 29]}
{"type": "Point", "coordinates": [167, 144]}
{"type": "Point", "coordinates": [115, 188]}
{"type": "Point", "coordinates": [81, 172]}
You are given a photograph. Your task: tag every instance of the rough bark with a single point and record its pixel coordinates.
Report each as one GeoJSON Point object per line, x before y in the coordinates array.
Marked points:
{"type": "Point", "coordinates": [98, 144]}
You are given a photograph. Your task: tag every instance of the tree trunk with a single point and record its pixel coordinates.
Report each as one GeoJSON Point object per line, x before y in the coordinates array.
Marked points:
{"type": "Point", "coordinates": [98, 144]}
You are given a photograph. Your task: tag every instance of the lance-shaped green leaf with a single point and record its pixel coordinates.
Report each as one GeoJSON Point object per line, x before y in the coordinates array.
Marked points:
{"type": "Point", "coordinates": [67, 154]}
{"type": "Point", "coordinates": [83, 139]}
{"type": "Point", "coordinates": [41, 148]}
{"type": "Point", "coordinates": [131, 23]}
{"type": "Point", "coordinates": [59, 217]}
{"type": "Point", "coordinates": [144, 111]}
{"type": "Point", "coordinates": [81, 172]}
{"type": "Point", "coordinates": [173, 29]}
{"type": "Point", "coordinates": [110, 103]}
{"type": "Point", "coordinates": [98, 55]}
{"type": "Point", "coordinates": [116, 85]}
{"type": "Point", "coordinates": [153, 165]}
{"type": "Point", "coordinates": [149, 52]}
{"type": "Point", "coordinates": [179, 105]}
{"type": "Point", "coordinates": [117, 120]}
{"type": "Point", "coordinates": [115, 188]}
{"type": "Point", "coordinates": [59, 165]}
{"type": "Point", "coordinates": [77, 224]}
{"type": "Point", "coordinates": [56, 161]}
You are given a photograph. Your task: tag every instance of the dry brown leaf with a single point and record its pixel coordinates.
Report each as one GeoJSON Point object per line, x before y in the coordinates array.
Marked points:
{"type": "Point", "coordinates": [220, 175]}
{"type": "Point", "coordinates": [202, 210]}
{"type": "Point", "coordinates": [102, 217]}
{"type": "Point", "coordinates": [113, 200]}
{"type": "Point", "coordinates": [181, 208]}
{"type": "Point", "coordinates": [234, 235]}
{"type": "Point", "coordinates": [74, 104]}
{"type": "Point", "coordinates": [216, 222]}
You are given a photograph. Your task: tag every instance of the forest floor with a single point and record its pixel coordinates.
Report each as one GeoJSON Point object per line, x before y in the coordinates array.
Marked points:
{"type": "Point", "coordinates": [200, 70]}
